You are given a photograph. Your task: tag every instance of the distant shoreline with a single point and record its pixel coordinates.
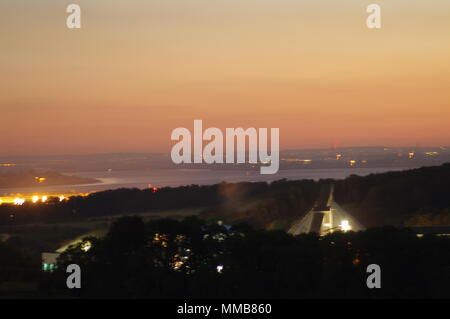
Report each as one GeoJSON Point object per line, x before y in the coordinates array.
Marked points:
{"type": "Point", "coordinates": [41, 179]}
{"type": "Point", "coordinates": [176, 177]}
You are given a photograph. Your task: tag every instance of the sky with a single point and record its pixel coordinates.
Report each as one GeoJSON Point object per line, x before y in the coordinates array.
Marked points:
{"type": "Point", "coordinates": [138, 69]}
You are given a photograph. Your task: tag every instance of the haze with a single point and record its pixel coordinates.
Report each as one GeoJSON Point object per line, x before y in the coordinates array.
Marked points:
{"type": "Point", "coordinates": [138, 69]}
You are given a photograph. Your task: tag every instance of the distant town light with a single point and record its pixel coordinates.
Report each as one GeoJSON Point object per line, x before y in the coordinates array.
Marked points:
{"type": "Point", "coordinates": [19, 201]}
{"type": "Point", "coordinates": [7, 164]}
{"type": "Point", "coordinates": [61, 198]}
{"type": "Point", "coordinates": [44, 198]}
{"type": "Point", "coordinates": [40, 179]}
{"type": "Point", "coordinates": [35, 199]}
{"type": "Point", "coordinates": [304, 161]}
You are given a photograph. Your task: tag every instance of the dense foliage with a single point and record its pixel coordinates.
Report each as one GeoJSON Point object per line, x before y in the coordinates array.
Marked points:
{"type": "Point", "coordinates": [170, 259]}
{"type": "Point", "coordinates": [398, 198]}
{"type": "Point", "coordinates": [18, 272]}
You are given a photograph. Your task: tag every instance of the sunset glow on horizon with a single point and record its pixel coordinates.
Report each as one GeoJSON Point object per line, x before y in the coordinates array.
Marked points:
{"type": "Point", "coordinates": [138, 69]}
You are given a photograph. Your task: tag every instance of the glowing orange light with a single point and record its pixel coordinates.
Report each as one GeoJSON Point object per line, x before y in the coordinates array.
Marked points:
{"type": "Point", "coordinates": [40, 179]}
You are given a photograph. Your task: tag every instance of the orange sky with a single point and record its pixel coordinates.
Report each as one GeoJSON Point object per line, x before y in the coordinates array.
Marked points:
{"type": "Point", "coordinates": [138, 69]}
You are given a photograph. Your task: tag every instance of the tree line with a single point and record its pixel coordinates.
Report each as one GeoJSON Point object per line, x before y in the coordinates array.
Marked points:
{"type": "Point", "coordinates": [194, 259]}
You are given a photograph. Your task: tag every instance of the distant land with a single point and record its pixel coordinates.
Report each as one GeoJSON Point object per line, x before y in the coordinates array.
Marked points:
{"type": "Point", "coordinates": [342, 157]}
{"type": "Point", "coordinates": [34, 178]}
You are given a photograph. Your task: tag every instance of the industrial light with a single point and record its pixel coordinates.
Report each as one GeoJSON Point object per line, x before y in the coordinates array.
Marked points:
{"type": "Point", "coordinates": [345, 225]}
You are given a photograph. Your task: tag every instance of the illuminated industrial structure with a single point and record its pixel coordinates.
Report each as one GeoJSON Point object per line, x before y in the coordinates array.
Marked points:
{"type": "Point", "coordinates": [325, 217]}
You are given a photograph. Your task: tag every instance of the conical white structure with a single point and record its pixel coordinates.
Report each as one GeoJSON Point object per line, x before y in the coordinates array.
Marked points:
{"type": "Point", "coordinates": [326, 217]}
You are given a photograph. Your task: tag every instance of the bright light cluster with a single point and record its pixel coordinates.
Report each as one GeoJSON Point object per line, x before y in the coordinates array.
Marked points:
{"type": "Point", "coordinates": [85, 246]}
{"type": "Point", "coordinates": [345, 225]}
{"type": "Point", "coordinates": [19, 201]}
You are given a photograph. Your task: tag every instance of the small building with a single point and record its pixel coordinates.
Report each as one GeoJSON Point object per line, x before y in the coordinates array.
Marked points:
{"type": "Point", "coordinates": [49, 261]}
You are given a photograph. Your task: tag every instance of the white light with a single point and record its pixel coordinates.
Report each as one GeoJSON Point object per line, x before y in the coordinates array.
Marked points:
{"type": "Point", "coordinates": [345, 225]}
{"type": "Point", "coordinates": [61, 198]}
{"type": "Point", "coordinates": [86, 246]}
{"type": "Point", "coordinates": [44, 199]}
{"type": "Point", "coordinates": [219, 268]}
{"type": "Point", "coordinates": [19, 201]}
{"type": "Point", "coordinates": [35, 199]}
